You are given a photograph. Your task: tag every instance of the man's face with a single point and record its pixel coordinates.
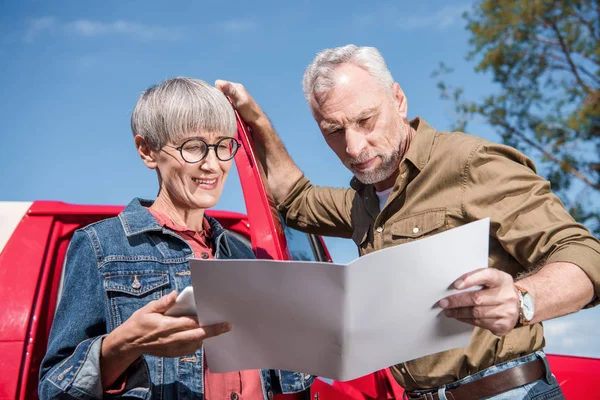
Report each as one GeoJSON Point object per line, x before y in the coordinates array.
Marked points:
{"type": "Point", "coordinates": [363, 125]}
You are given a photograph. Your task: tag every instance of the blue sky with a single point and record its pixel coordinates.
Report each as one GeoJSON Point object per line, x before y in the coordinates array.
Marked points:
{"type": "Point", "coordinates": [71, 72]}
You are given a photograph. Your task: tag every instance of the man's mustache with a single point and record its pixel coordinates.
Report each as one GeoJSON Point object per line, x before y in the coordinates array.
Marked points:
{"type": "Point", "coordinates": [360, 159]}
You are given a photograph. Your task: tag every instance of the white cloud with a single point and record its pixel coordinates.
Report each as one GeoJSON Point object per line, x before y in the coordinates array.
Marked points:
{"type": "Point", "coordinates": [396, 17]}
{"type": "Point", "coordinates": [36, 26]}
{"type": "Point", "coordinates": [574, 334]}
{"type": "Point", "coordinates": [85, 27]}
{"type": "Point", "coordinates": [90, 28]}
{"type": "Point", "coordinates": [237, 25]}
{"type": "Point", "coordinates": [443, 18]}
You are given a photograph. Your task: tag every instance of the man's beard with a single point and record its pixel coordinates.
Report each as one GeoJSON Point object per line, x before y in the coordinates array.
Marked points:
{"type": "Point", "coordinates": [389, 164]}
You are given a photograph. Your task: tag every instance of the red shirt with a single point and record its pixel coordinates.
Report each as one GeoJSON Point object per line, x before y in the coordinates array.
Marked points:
{"type": "Point", "coordinates": [242, 385]}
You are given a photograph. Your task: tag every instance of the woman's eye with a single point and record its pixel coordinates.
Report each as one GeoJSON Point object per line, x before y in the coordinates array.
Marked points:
{"type": "Point", "coordinates": [192, 148]}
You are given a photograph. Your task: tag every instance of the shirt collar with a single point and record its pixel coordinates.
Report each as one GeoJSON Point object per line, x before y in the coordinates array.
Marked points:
{"type": "Point", "coordinates": [136, 219]}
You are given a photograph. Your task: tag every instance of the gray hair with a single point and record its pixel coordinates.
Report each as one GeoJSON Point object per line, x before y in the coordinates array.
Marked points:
{"type": "Point", "coordinates": [167, 112]}
{"type": "Point", "coordinates": [318, 77]}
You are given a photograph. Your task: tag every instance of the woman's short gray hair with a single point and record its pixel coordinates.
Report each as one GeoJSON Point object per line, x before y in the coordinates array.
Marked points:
{"type": "Point", "coordinates": [318, 77]}
{"type": "Point", "coordinates": [171, 110]}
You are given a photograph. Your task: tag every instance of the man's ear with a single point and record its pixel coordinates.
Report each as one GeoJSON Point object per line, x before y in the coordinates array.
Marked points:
{"type": "Point", "coordinates": [401, 99]}
{"type": "Point", "coordinates": [147, 155]}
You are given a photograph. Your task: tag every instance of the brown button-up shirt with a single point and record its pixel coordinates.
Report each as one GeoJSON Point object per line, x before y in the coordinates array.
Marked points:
{"type": "Point", "coordinates": [448, 179]}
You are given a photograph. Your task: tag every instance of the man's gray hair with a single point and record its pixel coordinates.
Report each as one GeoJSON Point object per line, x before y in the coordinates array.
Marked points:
{"type": "Point", "coordinates": [318, 77]}
{"type": "Point", "coordinates": [171, 110]}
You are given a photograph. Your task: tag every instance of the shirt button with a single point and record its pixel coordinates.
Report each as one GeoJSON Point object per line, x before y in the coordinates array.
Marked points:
{"type": "Point", "coordinates": [415, 230]}
{"type": "Point", "coordinates": [379, 229]}
{"type": "Point", "coordinates": [403, 370]}
{"type": "Point", "coordinates": [205, 256]}
{"type": "Point", "coordinates": [270, 395]}
{"type": "Point", "coordinates": [234, 396]}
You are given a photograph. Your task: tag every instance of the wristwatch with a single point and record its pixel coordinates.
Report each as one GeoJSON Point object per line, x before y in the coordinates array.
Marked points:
{"type": "Point", "coordinates": [526, 306]}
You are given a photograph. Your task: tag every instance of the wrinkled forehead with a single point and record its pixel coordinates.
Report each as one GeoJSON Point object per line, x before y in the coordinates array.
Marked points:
{"type": "Point", "coordinates": [346, 85]}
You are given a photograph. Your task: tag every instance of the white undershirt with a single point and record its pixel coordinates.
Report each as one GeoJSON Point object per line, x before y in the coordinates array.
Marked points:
{"type": "Point", "coordinates": [383, 196]}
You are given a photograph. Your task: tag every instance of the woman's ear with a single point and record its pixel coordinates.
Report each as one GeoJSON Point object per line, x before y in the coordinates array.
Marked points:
{"type": "Point", "coordinates": [146, 153]}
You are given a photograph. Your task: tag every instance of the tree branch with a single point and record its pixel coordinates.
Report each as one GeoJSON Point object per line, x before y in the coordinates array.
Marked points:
{"type": "Point", "coordinates": [588, 24]}
{"type": "Point", "coordinates": [567, 54]}
{"type": "Point", "coordinates": [569, 169]}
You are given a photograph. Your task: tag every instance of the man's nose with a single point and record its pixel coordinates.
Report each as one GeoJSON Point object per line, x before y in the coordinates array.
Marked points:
{"type": "Point", "coordinates": [355, 143]}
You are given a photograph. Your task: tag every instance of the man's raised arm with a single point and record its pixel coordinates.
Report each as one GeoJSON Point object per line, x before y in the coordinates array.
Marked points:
{"type": "Point", "coordinates": [281, 171]}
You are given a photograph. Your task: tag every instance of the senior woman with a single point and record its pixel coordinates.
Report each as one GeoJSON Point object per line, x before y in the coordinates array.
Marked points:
{"type": "Point", "coordinates": [110, 336]}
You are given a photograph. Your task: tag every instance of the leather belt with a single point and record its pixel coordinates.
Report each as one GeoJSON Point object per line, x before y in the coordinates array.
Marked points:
{"type": "Point", "coordinates": [491, 385]}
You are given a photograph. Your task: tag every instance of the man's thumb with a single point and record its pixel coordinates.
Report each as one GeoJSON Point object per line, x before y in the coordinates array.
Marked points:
{"type": "Point", "coordinates": [226, 87]}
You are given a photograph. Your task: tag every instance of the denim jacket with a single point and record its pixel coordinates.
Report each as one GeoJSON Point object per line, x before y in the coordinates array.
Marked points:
{"type": "Point", "coordinates": [114, 267]}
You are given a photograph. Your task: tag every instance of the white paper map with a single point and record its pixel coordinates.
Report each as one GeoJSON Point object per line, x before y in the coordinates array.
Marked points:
{"type": "Point", "coordinates": [333, 320]}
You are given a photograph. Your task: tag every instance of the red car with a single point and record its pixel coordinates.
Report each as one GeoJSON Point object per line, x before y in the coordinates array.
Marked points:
{"type": "Point", "coordinates": [34, 239]}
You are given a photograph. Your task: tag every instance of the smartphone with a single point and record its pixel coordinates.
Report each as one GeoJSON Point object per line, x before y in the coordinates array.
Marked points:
{"type": "Point", "coordinates": [185, 305]}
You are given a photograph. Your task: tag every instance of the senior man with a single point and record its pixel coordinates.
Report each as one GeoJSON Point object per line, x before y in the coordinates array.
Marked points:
{"type": "Point", "coordinates": [410, 182]}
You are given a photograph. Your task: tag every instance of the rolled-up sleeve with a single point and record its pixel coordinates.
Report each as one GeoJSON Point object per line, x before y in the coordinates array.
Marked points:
{"type": "Point", "coordinates": [71, 366]}
{"type": "Point", "coordinates": [319, 210]}
{"type": "Point", "coordinates": [528, 220]}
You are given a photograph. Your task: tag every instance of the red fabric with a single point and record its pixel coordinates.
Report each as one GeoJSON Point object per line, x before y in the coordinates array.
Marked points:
{"type": "Point", "coordinates": [118, 386]}
{"type": "Point", "coordinates": [246, 384]}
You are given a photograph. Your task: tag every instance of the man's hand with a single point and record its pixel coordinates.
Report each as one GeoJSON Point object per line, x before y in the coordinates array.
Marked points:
{"type": "Point", "coordinates": [495, 307]}
{"type": "Point", "coordinates": [242, 101]}
{"type": "Point", "coordinates": [280, 170]}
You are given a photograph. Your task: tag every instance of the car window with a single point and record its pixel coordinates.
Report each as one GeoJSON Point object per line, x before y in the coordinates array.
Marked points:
{"type": "Point", "coordinates": [298, 244]}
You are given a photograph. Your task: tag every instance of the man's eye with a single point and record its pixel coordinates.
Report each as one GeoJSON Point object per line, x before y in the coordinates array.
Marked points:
{"type": "Point", "coordinates": [192, 148]}
{"type": "Point", "coordinates": [364, 121]}
{"type": "Point", "coordinates": [336, 132]}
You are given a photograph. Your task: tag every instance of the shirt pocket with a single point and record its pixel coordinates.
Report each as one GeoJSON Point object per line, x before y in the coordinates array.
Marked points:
{"type": "Point", "coordinates": [422, 224]}
{"type": "Point", "coordinates": [131, 290]}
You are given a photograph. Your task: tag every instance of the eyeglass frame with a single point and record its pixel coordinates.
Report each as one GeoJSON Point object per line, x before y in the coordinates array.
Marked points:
{"type": "Point", "coordinates": [208, 147]}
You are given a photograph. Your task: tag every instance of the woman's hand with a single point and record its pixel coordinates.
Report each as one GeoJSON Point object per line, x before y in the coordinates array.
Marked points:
{"type": "Point", "coordinates": [149, 331]}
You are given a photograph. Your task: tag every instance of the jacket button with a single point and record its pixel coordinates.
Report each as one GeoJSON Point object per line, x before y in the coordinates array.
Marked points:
{"type": "Point", "coordinates": [234, 396]}
{"type": "Point", "coordinates": [379, 229]}
{"type": "Point", "coordinates": [205, 256]}
{"type": "Point", "coordinates": [136, 284]}
{"type": "Point", "coordinates": [416, 229]}
{"type": "Point", "coordinates": [270, 395]}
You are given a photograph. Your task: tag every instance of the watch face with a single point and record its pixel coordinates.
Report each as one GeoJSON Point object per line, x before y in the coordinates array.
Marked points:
{"type": "Point", "coordinates": [528, 307]}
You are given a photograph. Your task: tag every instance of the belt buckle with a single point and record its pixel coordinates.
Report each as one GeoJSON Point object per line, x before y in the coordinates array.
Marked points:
{"type": "Point", "coordinates": [420, 396]}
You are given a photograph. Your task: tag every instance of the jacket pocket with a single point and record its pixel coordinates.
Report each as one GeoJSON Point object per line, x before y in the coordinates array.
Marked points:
{"type": "Point", "coordinates": [418, 225]}
{"type": "Point", "coordinates": [131, 290]}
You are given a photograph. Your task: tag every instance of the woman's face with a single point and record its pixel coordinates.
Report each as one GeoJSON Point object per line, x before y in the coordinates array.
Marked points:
{"type": "Point", "coordinates": [197, 185]}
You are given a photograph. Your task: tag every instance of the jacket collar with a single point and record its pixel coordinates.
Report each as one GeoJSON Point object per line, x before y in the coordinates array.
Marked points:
{"type": "Point", "coordinates": [136, 219]}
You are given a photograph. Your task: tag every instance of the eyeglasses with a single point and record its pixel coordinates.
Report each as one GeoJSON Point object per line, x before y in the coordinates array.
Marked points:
{"type": "Point", "coordinates": [195, 149]}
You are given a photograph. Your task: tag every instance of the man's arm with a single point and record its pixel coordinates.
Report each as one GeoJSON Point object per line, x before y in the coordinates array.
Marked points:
{"type": "Point", "coordinates": [319, 210]}
{"type": "Point", "coordinates": [281, 171]}
{"type": "Point", "coordinates": [496, 307]}
{"type": "Point", "coordinates": [560, 258]}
